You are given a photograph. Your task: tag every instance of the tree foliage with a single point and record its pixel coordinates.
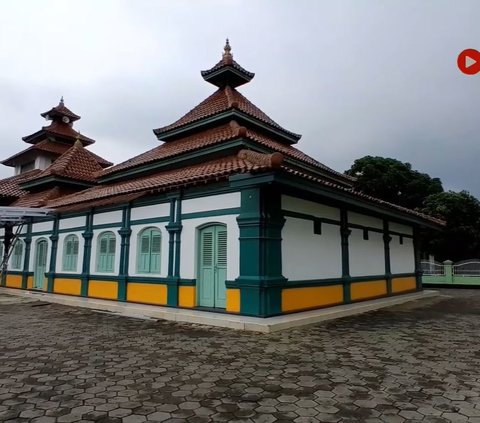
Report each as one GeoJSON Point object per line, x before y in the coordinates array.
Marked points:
{"type": "Point", "coordinates": [461, 237]}
{"type": "Point", "coordinates": [394, 181]}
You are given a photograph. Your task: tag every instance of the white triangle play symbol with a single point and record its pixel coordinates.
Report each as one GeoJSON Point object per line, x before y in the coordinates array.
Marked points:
{"type": "Point", "coordinates": [469, 61]}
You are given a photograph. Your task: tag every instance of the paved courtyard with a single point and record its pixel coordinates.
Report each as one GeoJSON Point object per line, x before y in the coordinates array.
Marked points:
{"type": "Point", "coordinates": [414, 362]}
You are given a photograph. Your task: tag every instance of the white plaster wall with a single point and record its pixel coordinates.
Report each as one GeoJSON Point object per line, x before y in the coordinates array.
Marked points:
{"type": "Point", "coordinates": [113, 217]}
{"type": "Point", "coordinates": [2, 231]}
{"type": "Point", "coordinates": [306, 255]}
{"type": "Point", "coordinates": [40, 227]}
{"type": "Point", "coordinates": [309, 207]}
{"type": "Point", "coordinates": [132, 262]}
{"type": "Point", "coordinates": [361, 219]}
{"type": "Point", "coordinates": [148, 212]}
{"type": "Point", "coordinates": [188, 258]}
{"type": "Point", "coordinates": [42, 162]}
{"type": "Point", "coordinates": [222, 201]}
{"type": "Point", "coordinates": [403, 229]}
{"type": "Point", "coordinates": [93, 258]}
{"type": "Point", "coordinates": [33, 252]}
{"type": "Point", "coordinates": [367, 257]}
{"type": "Point", "coordinates": [60, 249]}
{"type": "Point", "coordinates": [402, 257]}
{"type": "Point", "coordinates": [72, 222]}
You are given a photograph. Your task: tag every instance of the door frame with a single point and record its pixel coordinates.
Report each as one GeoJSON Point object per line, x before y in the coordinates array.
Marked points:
{"type": "Point", "coordinates": [35, 262]}
{"type": "Point", "coordinates": [198, 263]}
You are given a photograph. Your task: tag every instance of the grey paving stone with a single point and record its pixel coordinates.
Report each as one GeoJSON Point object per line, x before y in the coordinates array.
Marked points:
{"type": "Point", "coordinates": [403, 364]}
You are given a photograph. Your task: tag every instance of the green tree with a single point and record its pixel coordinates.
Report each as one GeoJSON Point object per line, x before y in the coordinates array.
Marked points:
{"type": "Point", "coordinates": [461, 238]}
{"type": "Point", "coordinates": [394, 181]}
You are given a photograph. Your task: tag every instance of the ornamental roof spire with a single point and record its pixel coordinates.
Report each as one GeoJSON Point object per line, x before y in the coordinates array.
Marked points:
{"type": "Point", "coordinates": [227, 71]}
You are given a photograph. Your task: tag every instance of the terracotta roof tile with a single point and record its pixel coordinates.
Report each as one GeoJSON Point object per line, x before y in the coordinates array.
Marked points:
{"type": "Point", "coordinates": [76, 163]}
{"type": "Point", "coordinates": [10, 187]}
{"type": "Point", "coordinates": [358, 194]}
{"type": "Point", "coordinates": [62, 110]}
{"type": "Point", "coordinates": [222, 63]}
{"type": "Point", "coordinates": [167, 180]}
{"type": "Point", "coordinates": [191, 143]}
{"type": "Point", "coordinates": [38, 199]}
{"type": "Point", "coordinates": [220, 101]}
{"type": "Point", "coordinates": [60, 129]}
{"type": "Point", "coordinates": [216, 136]}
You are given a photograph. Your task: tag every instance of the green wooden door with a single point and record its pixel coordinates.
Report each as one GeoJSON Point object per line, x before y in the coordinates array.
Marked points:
{"type": "Point", "coordinates": [212, 266]}
{"type": "Point", "coordinates": [40, 264]}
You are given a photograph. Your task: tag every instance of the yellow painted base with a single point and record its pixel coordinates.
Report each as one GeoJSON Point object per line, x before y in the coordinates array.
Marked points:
{"type": "Point", "coordinates": [30, 282]}
{"type": "Point", "coordinates": [365, 290]}
{"type": "Point", "coordinates": [107, 290]}
{"type": "Point", "coordinates": [67, 286]}
{"type": "Point", "coordinates": [314, 297]}
{"type": "Point", "coordinates": [147, 293]}
{"type": "Point", "coordinates": [404, 284]}
{"type": "Point", "coordinates": [186, 296]}
{"type": "Point", "coordinates": [13, 281]}
{"type": "Point", "coordinates": [233, 300]}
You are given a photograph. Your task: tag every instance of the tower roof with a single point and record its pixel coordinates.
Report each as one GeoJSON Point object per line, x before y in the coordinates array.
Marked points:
{"type": "Point", "coordinates": [227, 71]}
{"type": "Point", "coordinates": [60, 112]}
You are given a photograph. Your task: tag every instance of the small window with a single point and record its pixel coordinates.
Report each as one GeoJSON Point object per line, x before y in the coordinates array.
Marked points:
{"type": "Point", "coordinates": [317, 227]}
{"type": "Point", "coordinates": [365, 234]}
{"type": "Point", "coordinates": [70, 253]}
{"type": "Point", "coordinates": [17, 255]}
{"type": "Point", "coordinates": [106, 246]}
{"type": "Point", "coordinates": [149, 250]}
{"type": "Point", "coordinates": [400, 239]}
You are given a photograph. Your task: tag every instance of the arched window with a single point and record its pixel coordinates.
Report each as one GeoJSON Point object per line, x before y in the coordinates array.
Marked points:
{"type": "Point", "coordinates": [17, 254]}
{"type": "Point", "coordinates": [149, 248]}
{"type": "Point", "coordinates": [106, 245]}
{"type": "Point", "coordinates": [70, 253]}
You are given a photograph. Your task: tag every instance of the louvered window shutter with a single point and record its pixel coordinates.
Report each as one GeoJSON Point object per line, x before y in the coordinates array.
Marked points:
{"type": "Point", "coordinates": [207, 248]}
{"type": "Point", "coordinates": [156, 245]}
{"type": "Point", "coordinates": [222, 249]}
{"type": "Point", "coordinates": [144, 256]}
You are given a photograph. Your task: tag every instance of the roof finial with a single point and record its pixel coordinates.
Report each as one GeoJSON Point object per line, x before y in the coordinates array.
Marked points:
{"type": "Point", "coordinates": [227, 55]}
{"type": "Point", "coordinates": [61, 101]}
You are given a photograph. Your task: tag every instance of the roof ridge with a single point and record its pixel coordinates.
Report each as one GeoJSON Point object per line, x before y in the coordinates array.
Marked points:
{"type": "Point", "coordinates": [273, 160]}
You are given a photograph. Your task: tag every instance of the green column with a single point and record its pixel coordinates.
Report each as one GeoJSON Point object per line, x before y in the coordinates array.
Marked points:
{"type": "Point", "coordinates": [174, 229]}
{"type": "Point", "coordinates": [53, 255]}
{"type": "Point", "coordinates": [345, 234]}
{"type": "Point", "coordinates": [260, 223]}
{"type": "Point", "coordinates": [125, 232]}
{"type": "Point", "coordinates": [26, 259]}
{"type": "Point", "coordinates": [416, 252]}
{"type": "Point", "coordinates": [386, 245]}
{"type": "Point", "coordinates": [87, 253]}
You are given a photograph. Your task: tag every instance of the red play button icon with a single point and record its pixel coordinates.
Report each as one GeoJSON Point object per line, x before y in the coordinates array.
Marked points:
{"type": "Point", "coordinates": [469, 61]}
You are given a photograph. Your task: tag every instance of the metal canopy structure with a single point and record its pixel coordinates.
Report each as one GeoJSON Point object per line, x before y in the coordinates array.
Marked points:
{"type": "Point", "coordinates": [11, 217]}
{"type": "Point", "coordinates": [17, 215]}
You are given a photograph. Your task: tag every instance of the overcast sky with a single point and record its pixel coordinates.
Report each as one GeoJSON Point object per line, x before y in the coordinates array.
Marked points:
{"type": "Point", "coordinates": [355, 77]}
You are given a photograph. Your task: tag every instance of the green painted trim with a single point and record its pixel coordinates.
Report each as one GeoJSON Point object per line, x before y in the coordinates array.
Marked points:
{"type": "Point", "coordinates": [298, 184]}
{"type": "Point", "coordinates": [174, 229]}
{"type": "Point", "coordinates": [185, 159]}
{"type": "Point", "coordinates": [236, 114]}
{"type": "Point", "coordinates": [260, 279]}
{"type": "Point", "coordinates": [87, 253]}
{"type": "Point", "coordinates": [56, 180]}
{"type": "Point", "coordinates": [149, 221]}
{"type": "Point", "coordinates": [71, 230]}
{"type": "Point", "coordinates": [103, 278]}
{"type": "Point", "coordinates": [40, 233]}
{"type": "Point", "coordinates": [26, 258]}
{"type": "Point", "coordinates": [53, 255]}
{"type": "Point", "coordinates": [171, 238]}
{"type": "Point", "coordinates": [344, 235]}
{"type": "Point", "coordinates": [417, 254]}
{"type": "Point", "coordinates": [211, 213]}
{"type": "Point", "coordinates": [386, 248]}
{"type": "Point", "coordinates": [112, 225]}
{"type": "Point", "coordinates": [125, 233]}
